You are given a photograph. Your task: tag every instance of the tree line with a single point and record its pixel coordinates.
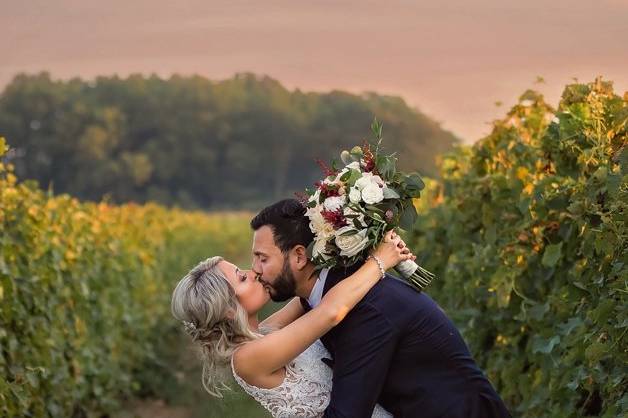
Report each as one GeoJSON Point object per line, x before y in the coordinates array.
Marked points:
{"type": "Point", "coordinates": [194, 142]}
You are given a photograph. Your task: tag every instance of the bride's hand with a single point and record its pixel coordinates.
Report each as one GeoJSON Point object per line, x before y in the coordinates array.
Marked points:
{"type": "Point", "coordinates": [392, 250]}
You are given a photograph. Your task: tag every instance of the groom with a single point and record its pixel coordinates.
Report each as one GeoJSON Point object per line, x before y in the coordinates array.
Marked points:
{"type": "Point", "coordinates": [396, 347]}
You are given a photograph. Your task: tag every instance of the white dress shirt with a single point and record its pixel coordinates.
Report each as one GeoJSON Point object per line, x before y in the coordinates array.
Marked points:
{"type": "Point", "coordinates": [317, 291]}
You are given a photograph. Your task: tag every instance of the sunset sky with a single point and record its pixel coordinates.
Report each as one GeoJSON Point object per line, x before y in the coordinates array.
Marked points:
{"type": "Point", "coordinates": [452, 59]}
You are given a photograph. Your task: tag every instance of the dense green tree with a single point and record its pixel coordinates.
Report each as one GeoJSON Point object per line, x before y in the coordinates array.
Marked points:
{"type": "Point", "coordinates": [194, 142]}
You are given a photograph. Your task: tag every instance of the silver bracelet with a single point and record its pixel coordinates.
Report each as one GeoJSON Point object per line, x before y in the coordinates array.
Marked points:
{"type": "Point", "coordinates": [380, 264]}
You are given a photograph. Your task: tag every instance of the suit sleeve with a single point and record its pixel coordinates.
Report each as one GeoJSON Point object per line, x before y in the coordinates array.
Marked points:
{"type": "Point", "coordinates": [364, 345]}
{"type": "Point", "coordinates": [305, 305]}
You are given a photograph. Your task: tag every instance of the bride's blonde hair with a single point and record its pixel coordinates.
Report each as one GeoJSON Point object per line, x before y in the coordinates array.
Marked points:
{"type": "Point", "coordinates": [207, 305]}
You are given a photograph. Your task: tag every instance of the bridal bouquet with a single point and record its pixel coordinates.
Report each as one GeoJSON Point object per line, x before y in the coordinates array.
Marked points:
{"type": "Point", "coordinates": [353, 207]}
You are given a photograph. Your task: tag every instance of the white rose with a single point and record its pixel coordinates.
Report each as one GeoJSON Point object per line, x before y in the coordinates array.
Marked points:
{"type": "Point", "coordinates": [372, 194]}
{"type": "Point", "coordinates": [378, 180]}
{"type": "Point", "coordinates": [354, 165]}
{"type": "Point", "coordinates": [350, 245]}
{"type": "Point", "coordinates": [334, 203]}
{"type": "Point", "coordinates": [363, 181]}
{"type": "Point", "coordinates": [354, 195]}
{"type": "Point", "coordinates": [319, 249]}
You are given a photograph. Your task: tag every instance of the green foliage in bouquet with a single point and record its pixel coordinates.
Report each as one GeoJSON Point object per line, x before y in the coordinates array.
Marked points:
{"type": "Point", "coordinates": [402, 187]}
{"type": "Point", "coordinates": [528, 232]}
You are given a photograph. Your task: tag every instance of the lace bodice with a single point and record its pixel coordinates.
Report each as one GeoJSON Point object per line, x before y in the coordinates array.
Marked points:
{"type": "Point", "coordinates": [305, 391]}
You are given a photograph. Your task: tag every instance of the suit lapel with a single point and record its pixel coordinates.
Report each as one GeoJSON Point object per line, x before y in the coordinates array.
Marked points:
{"type": "Point", "coordinates": [334, 276]}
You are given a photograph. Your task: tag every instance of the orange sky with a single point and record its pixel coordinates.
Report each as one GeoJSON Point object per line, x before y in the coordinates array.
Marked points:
{"type": "Point", "coordinates": [452, 59]}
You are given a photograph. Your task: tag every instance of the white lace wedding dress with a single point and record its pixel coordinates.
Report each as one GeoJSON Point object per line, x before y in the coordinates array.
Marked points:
{"type": "Point", "coordinates": [305, 391]}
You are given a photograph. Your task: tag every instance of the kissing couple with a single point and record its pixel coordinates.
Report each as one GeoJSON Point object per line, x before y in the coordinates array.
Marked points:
{"type": "Point", "coordinates": [351, 342]}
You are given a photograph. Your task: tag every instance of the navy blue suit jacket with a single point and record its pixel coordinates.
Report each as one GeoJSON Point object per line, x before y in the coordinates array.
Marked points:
{"type": "Point", "coordinates": [398, 347]}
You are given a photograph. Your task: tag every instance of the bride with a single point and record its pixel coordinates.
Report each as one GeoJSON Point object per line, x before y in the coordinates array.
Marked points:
{"type": "Point", "coordinates": [279, 361]}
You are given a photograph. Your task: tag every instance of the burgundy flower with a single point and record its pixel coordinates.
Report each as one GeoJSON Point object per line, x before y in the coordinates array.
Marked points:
{"type": "Point", "coordinates": [336, 218]}
{"type": "Point", "coordinates": [369, 159]}
{"type": "Point", "coordinates": [327, 190]}
{"type": "Point", "coordinates": [326, 169]}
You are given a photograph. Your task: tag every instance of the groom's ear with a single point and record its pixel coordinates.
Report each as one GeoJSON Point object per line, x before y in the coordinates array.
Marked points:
{"type": "Point", "coordinates": [300, 256]}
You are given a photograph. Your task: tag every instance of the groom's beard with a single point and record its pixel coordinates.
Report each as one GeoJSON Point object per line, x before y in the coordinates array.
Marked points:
{"type": "Point", "coordinates": [285, 286]}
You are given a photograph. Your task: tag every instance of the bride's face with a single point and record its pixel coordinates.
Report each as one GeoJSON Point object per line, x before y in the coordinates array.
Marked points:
{"type": "Point", "coordinates": [250, 292]}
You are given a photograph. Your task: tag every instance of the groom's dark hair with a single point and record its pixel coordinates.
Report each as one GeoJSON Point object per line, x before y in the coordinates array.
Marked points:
{"type": "Point", "coordinates": [289, 224]}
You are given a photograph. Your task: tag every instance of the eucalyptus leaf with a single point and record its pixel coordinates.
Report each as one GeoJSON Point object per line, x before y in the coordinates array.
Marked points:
{"type": "Point", "coordinates": [390, 193]}
{"type": "Point", "coordinates": [408, 218]}
{"type": "Point", "coordinates": [375, 209]}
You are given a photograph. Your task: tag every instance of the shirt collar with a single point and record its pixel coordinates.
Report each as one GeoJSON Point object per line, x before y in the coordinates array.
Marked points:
{"type": "Point", "coordinates": [317, 291]}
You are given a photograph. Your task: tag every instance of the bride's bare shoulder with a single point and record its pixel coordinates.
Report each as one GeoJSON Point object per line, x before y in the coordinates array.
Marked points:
{"type": "Point", "coordinates": [246, 364]}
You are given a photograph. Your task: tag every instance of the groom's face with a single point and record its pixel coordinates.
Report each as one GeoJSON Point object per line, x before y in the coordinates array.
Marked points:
{"type": "Point", "coordinates": [272, 266]}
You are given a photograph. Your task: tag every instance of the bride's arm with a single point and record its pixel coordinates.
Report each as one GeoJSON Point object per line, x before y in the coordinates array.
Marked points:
{"type": "Point", "coordinates": [290, 312]}
{"type": "Point", "coordinates": [267, 355]}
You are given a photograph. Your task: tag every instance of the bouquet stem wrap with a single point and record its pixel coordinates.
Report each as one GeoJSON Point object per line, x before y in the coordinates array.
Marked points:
{"type": "Point", "coordinates": [416, 275]}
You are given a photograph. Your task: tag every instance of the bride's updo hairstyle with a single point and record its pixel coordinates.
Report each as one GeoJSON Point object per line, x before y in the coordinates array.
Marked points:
{"type": "Point", "coordinates": [207, 305]}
